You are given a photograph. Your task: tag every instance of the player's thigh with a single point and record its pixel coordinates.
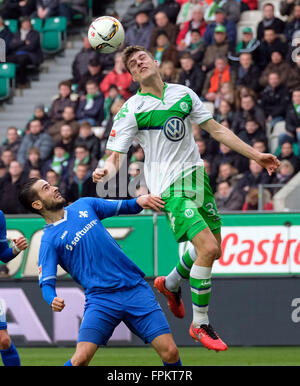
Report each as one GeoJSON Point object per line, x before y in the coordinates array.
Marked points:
{"type": "Point", "coordinates": [144, 316]}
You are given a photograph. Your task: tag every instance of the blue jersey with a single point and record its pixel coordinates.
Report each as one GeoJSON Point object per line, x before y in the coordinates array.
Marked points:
{"type": "Point", "coordinates": [6, 253]}
{"type": "Point", "coordinates": [82, 246]}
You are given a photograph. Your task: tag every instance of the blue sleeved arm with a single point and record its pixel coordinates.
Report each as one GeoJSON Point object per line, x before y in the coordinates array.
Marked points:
{"type": "Point", "coordinates": [48, 290]}
{"type": "Point", "coordinates": [107, 208]}
{"type": "Point", "coordinates": [6, 253]}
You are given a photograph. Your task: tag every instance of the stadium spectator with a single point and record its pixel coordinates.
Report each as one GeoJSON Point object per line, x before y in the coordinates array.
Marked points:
{"type": "Point", "coordinates": [81, 156]}
{"type": "Point", "coordinates": [284, 174]}
{"type": "Point", "coordinates": [7, 157]}
{"type": "Point", "coordinates": [162, 23]}
{"type": "Point", "coordinates": [140, 32]}
{"type": "Point", "coordinates": [5, 34]}
{"type": "Point", "coordinates": [269, 21]}
{"type": "Point", "coordinates": [232, 9]}
{"type": "Point", "coordinates": [260, 145]}
{"type": "Point", "coordinates": [190, 75]}
{"type": "Point", "coordinates": [3, 174]}
{"type": "Point", "coordinates": [34, 173]}
{"type": "Point", "coordinates": [68, 118]}
{"type": "Point", "coordinates": [253, 131]}
{"type": "Point", "coordinates": [12, 141]}
{"type": "Point", "coordinates": [240, 92]}
{"type": "Point", "coordinates": [279, 65]}
{"type": "Point", "coordinates": [203, 150]}
{"type": "Point", "coordinates": [227, 198]}
{"type": "Point", "coordinates": [253, 177]}
{"type": "Point", "coordinates": [46, 9]}
{"type": "Point", "coordinates": [94, 72]}
{"type": "Point", "coordinates": [67, 138]}
{"type": "Point", "coordinates": [247, 5]}
{"type": "Point", "coordinates": [59, 162]}
{"type": "Point", "coordinates": [81, 60]}
{"type": "Point", "coordinates": [33, 160]}
{"type": "Point", "coordinates": [70, 8]}
{"type": "Point", "coordinates": [88, 138]}
{"type": "Point", "coordinates": [36, 137]}
{"type": "Point", "coordinates": [292, 122]}
{"type": "Point", "coordinates": [219, 47]}
{"type": "Point", "coordinates": [163, 50]}
{"type": "Point", "coordinates": [286, 7]}
{"type": "Point", "coordinates": [196, 47]}
{"type": "Point", "coordinates": [287, 153]}
{"type": "Point", "coordinates": [197, 22]}
{"type": "Point", "coordinates": [271, 42]}
{"type": "Point", "coordinates": [224, 112]}
{"type": "Point", "coordinates": [15, 9]}
{"type": "Point", "coordinates": [249, 107]}
{"type": "Point", "coordinates": [25, 49]}
{"type": "Point", "coordinates": [90, 107]}
{"type": "Point", "coordinates": [169, 73]}
{"type": "Point", "coordinates": [248, 44]}
{"type": "Point", "coordinates": [138, 5]}
{"type": "Point", "coordinates": [138, 154]}
{"type": "Point", "coordinates": [275, 99]}
{"type": "Point", "coordinates": [226, 92]}
{"type": "Point", "coordinates": [185, 13]}
{"type": "Point", "coordinates": [170, 7]}
{"type": "Point", "coordinates": [40, 113]}
{"type": "Point", "coordinates": [112, 96]}
{"type": "Point", "coordinates": [228, 173]}
{"type": "Point", "coordinates": [9, 201]}
{"type": "Point", "coordinates": [81, 185]}
{"type": "Point", "coordinates": [247, 73]}
{"type": "Point", "coordinates": [220, 18]}
{"type": "Point", "coordinates": [65, 98]}
{"type": "Point", "coordinates": [294, 24]}
{"type": "Point", "coordinates": [118, 76]}
{"type": "Point", "coordinates": [225, 154]}
{"type": "Point", "coordinates": [216, 77]}
{"type": "Point", "coordinates": [251, 200]}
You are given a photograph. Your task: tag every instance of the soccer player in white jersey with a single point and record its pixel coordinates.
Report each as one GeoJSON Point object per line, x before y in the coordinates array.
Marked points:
{"type": "Point", "coordinates": [160, 117]}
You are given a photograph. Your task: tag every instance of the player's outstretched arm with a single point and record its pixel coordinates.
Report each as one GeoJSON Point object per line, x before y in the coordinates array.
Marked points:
{"type": "Point", "coordinates": [110, 168]}
{"type": "Point", "coordinates": [150, 201]}
{"type": "Point", "coordinates": [222, 134]}
{"type": "Point", "coordinates": [19, 245]}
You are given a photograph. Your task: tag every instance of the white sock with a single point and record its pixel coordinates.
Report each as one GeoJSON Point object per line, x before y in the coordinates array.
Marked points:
{"type": "Point", "coordinates": [200, 315]}
{"type": "Point", "coordinates": [173, 281]}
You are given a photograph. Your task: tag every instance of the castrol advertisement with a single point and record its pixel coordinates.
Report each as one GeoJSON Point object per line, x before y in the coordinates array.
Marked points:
{"type": "Point", "coordinates": [259, 250]}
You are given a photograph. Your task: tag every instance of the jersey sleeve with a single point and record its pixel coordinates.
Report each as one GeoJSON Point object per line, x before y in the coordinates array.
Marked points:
{"type": "Point", "coordinates": [199, 113]}
{"type": "Point", "coordinates": [123, 131]}
{"type": "Point", "coordinates": [109, 208]}
{"type": "Point", "coordinates": [6, 253]}
{"type": "Point", "coordinates": [48, 260]}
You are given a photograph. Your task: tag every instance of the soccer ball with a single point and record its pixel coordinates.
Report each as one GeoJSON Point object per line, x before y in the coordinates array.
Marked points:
{"type": "Point", "coordinates": [106, 34]}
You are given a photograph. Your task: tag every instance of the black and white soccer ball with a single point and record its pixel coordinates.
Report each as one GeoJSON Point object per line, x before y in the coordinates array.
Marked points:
{"type": "Point", "coordinates": [106, 34]}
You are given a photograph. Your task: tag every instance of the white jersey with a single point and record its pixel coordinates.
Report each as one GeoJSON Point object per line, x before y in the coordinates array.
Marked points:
{"type": "Point", "coordinates": [163, 127]}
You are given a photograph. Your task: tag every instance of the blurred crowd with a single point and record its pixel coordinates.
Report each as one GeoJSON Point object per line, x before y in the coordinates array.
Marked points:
{"type": "Point", "coordinates": [250, 79]}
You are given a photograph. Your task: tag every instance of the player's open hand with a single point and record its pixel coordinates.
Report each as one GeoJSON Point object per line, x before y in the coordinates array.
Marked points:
{"type": "Point", "coordinates": [269, 162]}
{"type": "Point", "coordinates": [20, 244]}
{"type": "Point", "coordinates": [149, 201]}
{"type": "Point", "coordinates": [58, 304]}
{"type": "Point", "coordinates": [98, 174]}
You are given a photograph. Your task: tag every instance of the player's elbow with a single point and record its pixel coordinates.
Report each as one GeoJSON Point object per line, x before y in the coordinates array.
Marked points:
{"type": "Point", "coordinates": [4, 341]}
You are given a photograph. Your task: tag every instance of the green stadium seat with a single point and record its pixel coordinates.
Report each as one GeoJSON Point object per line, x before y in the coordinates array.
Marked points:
{"type": "Point", "coordinates": [37, 24]}
{"type": "Point", "coordinates": [12, 24]}
{"type": "Point", "coordinates": [7, 80]}
{"type": "Point", "coordinates": [53, 35]}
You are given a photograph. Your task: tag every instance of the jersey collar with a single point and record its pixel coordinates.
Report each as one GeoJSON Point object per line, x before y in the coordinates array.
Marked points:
{"type": "Point", "coordinates": [58, 221]}
{"type": "Point", "coordinates": [152, 95]}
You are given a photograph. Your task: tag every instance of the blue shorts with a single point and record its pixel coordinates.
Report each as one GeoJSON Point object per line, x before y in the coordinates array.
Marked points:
{"type": "Point", "coordinates": [3, 324]}
{"type": "Point", "coordinates": [137, 307]}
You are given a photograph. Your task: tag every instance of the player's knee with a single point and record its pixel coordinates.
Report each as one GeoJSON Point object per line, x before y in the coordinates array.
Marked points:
{"type": "Point", "coordinates": [212, 251]}
{"type": "Point", "coordinates": [4, 342]}
{"type": "Point", "coordinates": [81, 359]}
{"type": "Point", "coordinates": [219, 253]}
{"type": "Point", "coordinates": [170, 354]}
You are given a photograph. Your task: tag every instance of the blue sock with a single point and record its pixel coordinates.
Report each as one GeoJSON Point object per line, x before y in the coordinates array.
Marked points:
{"type": "Point", "coordinates": [10, 356]}
{"type": "Point", "coordinates": [69, 363]}
{"type": "Point", "coordinates": [178, 363]}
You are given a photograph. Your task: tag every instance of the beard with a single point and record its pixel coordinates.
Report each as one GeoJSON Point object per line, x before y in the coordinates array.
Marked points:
{"type": "Point", "coordinates": [54, 206]}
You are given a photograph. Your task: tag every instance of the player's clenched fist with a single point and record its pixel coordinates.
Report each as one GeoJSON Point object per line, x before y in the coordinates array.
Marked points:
{"type": "Point", "coordinates": [19, 245]}
{"type": "Point", "coordinates": [98, 174]}
{"type": "Point", "coordinates": [58, 304]}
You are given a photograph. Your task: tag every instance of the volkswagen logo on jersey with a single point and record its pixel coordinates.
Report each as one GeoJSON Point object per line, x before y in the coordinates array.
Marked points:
{"type": "Point", "coordinates": [174, 129]}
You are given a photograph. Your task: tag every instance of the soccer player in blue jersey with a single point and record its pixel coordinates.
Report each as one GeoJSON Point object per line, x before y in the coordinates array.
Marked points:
{"type": "Point", "coordinates": [8, 351]}
{"type": "Point", "coordinates": [114, 286]}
